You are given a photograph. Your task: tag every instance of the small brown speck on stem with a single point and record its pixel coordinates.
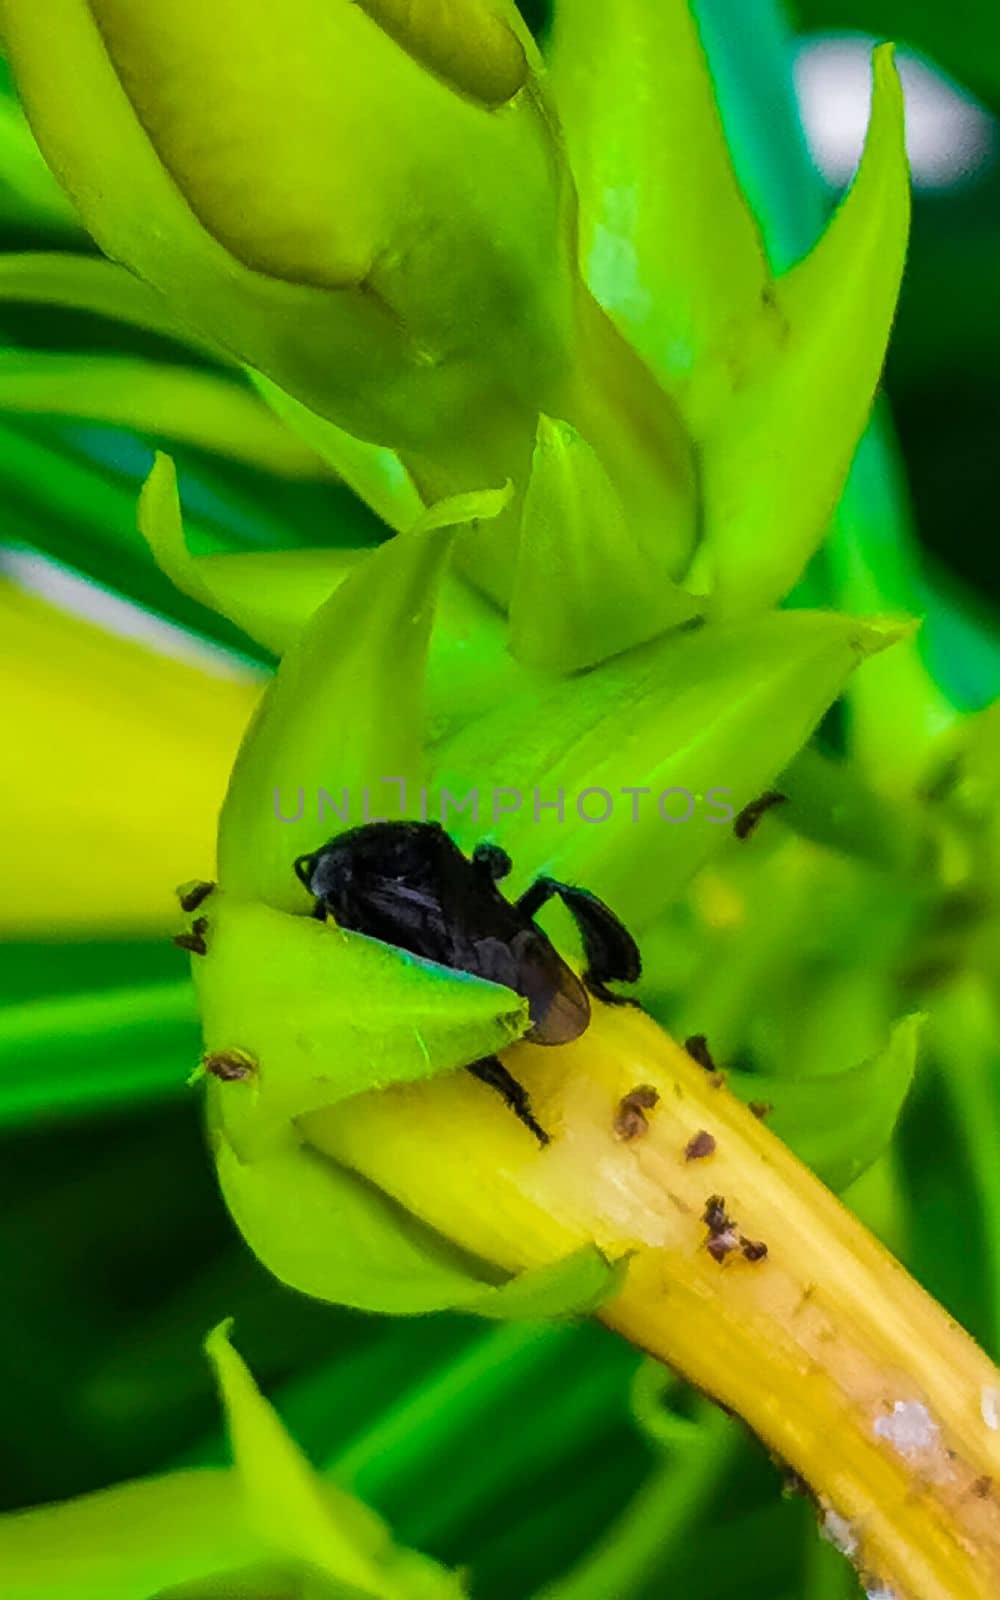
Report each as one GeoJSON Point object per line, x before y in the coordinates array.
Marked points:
{"type": "Point", "coordinates": [702, 1145]}
{"type": "Point", "coordinates": [753, 1249]}
{"type": "Point", "coordinates": [722, 1236]}
{"type": "Point", "coordinates": [630, 1118]}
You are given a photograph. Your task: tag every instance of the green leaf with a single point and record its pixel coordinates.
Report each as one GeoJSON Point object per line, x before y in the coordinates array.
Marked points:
{"type": "Point", "coordinates": [128, 1542]}
{"type": "Point", "coordinates": [201, 408]}
{"type": "Point", "coordinates": [587, 585]}
{"type": "Point", "coordinates": [71, 1055]}
{"type": "Point", "coordinates": [327, 1014]}
{"type": "Point", "coordinates": [711, 714]}
{"type": "Point", "coordinates": [85, 283]}
{"type": "Point", "coordinates": [307, 1519]}
{"type": "Point", "coordinates": [839, 1123]}
{"type": "Point", "coordinates": [284, 1502]}
{"type": "Point", "coordinates": [345, 710]}
{"type": "Point", "coordinates": [802, 380]}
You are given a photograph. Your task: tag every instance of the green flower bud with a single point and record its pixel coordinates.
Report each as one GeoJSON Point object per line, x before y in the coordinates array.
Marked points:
{"type": "Point", "coordinates": [365, 202]}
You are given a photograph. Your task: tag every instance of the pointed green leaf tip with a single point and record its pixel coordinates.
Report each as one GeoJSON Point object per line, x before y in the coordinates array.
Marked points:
{"type": "Point", "coordinates": [802, 379]}
{"type": "Point", "coordinates": [839, 1123]}
{"type": "Point", "coordinates": [284, 1500]}
{"type": "Point", "coordinates": [339, 732]}
{"type": "Point", "coordinates": [375, 473]}
{"type": "Point", "coordinates": [586, 585]}
{"type": "Point", "coordinates": [269, 595]}
{"type": "Point", "coordinates": [326, 1014]}
{"type": "Point", "coordinates": [303, 1519]}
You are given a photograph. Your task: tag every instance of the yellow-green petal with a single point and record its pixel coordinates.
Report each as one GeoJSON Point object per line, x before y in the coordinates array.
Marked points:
{"type": "Point", "coordinates": [146, 743]}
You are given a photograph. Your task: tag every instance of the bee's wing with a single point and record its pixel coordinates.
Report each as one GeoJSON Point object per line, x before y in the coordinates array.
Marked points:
{"type": "Point", "coordinates": [558, 1003]}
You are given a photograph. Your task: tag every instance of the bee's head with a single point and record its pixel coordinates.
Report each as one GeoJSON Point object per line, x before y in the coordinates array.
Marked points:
{"type": "Point", "coordinates": [409, 852]}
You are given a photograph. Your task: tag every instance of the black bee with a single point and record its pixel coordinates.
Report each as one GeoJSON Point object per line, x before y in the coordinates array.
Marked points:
{"type": "Point", "coordinates": [408, 884]}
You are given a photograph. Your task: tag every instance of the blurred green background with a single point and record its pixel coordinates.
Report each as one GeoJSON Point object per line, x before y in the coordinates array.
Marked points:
{"type": "Point", "coordinates": [510, 1449]}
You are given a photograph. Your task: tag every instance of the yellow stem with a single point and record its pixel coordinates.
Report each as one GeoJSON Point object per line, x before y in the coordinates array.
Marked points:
{"type": "Point", "coordinates": [835, 1357]}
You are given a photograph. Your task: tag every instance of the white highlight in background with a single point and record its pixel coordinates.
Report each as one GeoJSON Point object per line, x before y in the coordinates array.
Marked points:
{"type": "Point", "coordinates": [70, 591]}
{"type": "Point", "coordinates": [949, 137]}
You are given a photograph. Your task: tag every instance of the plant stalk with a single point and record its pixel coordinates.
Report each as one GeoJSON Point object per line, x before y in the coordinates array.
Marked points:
{"type": "Point", "coordinates": [842, 1365]}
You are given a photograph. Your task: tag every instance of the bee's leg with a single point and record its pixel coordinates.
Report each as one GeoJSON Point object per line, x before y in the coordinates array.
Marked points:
{"type": "Point", "coordinates": [492, 860]}
{"type": "Point", "coordinates": [493, 1072]}
{"type": "Point", "coordinates": [611, 953]}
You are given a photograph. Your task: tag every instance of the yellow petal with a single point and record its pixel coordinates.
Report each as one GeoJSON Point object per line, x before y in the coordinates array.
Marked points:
{"type": "Point", "coordinates": [115, 763]}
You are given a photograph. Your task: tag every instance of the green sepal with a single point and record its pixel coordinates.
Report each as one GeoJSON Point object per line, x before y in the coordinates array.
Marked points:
{"type": "Point", "coordinates": [650, 1393]}
{"type": "Point", "coordinates": [374, 472]}
{"type": "Point", "coordinates": [270, 595]}
{"type": "Point", "coordinates": [586, 586]}
{"type": "Point", "coordinates": [325, 1232]}
{"type": "Point", "coordinates": [331, 1234]}
{"type": "Point", "coordinates": [326, 1014]}
{"type": "Point", "coordinates": [839, 1123]}
{"type": "Point", "coordinates": [345, 711]}
{"type": "Point", "coordinates": [572, 1287]}
{"type": "Point", "coordinates": [785, 423]}
{"type": "Point", "coordinates": [719, 708]}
